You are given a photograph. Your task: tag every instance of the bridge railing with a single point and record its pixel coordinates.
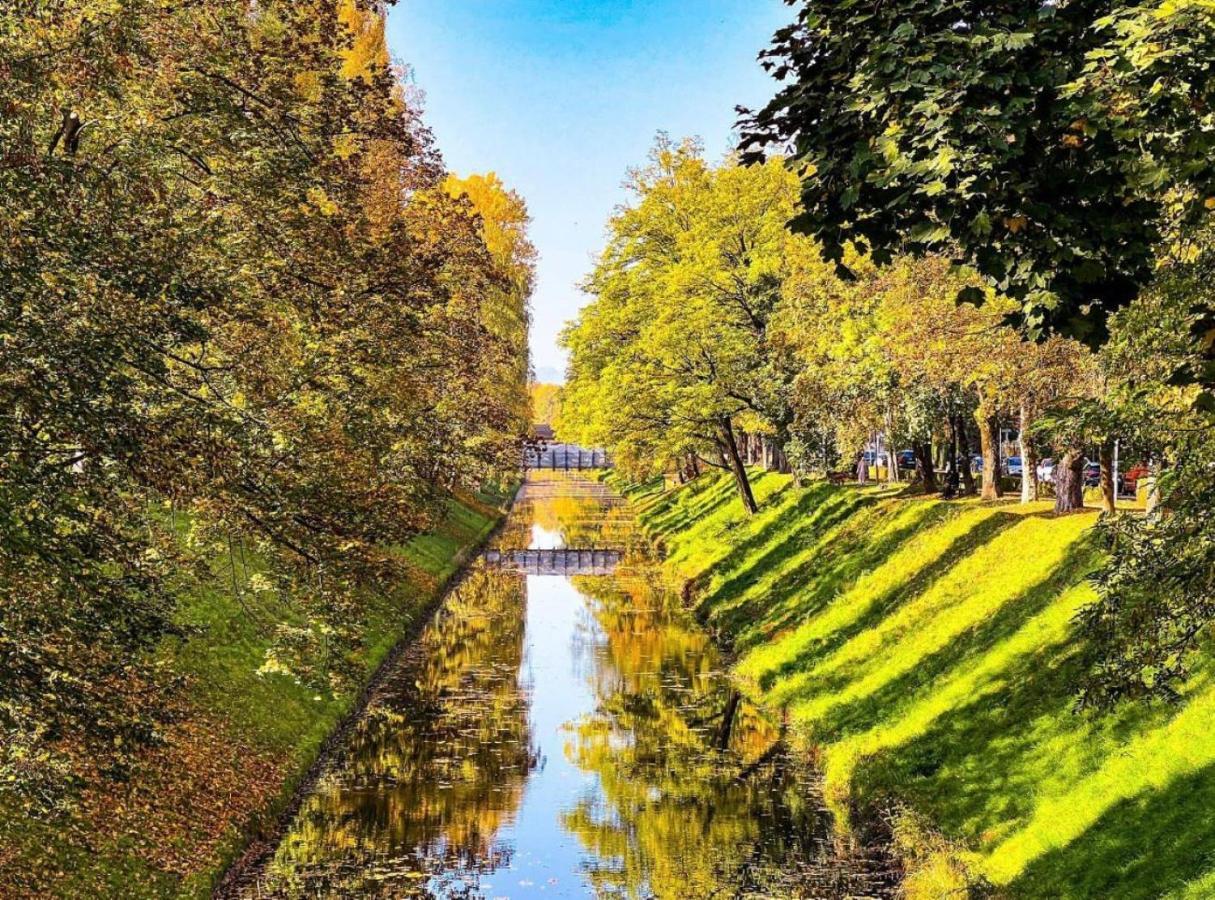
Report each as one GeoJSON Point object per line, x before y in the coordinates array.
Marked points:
{"type": "Point", "coordinates": [567, 457]}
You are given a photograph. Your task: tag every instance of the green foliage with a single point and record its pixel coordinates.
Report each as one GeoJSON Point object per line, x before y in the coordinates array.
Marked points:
{"type": "Point", "coordinates": [671, 356]}
{"type": "Point", "coordinates": [1157, 595]}
{"type": "Point", "coordinates": [231, 281]}
{"type": "Point", "coordinates": [1048, 144]}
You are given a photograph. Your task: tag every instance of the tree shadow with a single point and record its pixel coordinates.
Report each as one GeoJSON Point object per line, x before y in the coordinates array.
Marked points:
{"type": "Point", "coordinates": [795, 529]}
{"type": "Point", "coordinates": [854, 564]}
{"type": "Point", "coordinates": [681, 510]}
{"type": "Point", "coordinates": [961, 653]}
{"type": "Point", "coordinates": [996, 741]}
{"type": "Point", "coordinates": [1143, 847]}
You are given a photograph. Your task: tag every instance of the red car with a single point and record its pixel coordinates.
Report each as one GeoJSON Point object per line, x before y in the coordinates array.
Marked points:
{"type": "Point", "coordinates": [1130, 480]}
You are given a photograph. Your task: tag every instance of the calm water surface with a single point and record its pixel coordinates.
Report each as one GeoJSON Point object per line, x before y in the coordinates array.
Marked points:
{"type": "Point", "coordinates": [558, 734]}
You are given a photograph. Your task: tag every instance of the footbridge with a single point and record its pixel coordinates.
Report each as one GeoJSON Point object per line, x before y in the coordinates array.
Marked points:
{"type": "Point", "coordinates": [567, 457]}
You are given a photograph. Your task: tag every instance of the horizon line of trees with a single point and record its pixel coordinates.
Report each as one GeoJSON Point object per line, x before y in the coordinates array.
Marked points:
{"type": "Point", "coordinates": [242, 304]}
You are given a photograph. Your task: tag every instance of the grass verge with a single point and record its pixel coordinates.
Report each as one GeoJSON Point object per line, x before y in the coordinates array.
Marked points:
{"type": "Point", "coordinates": [926, 649]}
{"type": "Point", "coordinates": [239, 743]}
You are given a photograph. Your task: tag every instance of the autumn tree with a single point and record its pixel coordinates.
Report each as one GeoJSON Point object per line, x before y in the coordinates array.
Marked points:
{"type": "Point", "coordinates": [546, 403]}
{"type": "Point", "coordinates": [671, 352]}
{"type": "Point", "coordinates": [233, 285]}
{"type": "Point", "coordinates": [1002, 134]}
{"type": "Point", "coordinates": [506, 309]}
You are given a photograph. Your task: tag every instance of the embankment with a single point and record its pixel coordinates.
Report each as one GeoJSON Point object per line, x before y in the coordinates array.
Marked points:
{"type": "Point", "coordinates": [927, 651]}
{"type": "Point", "coordinates": [241, 737]}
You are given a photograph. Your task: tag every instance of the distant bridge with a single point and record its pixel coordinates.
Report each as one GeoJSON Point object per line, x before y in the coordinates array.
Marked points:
{"type": "Point", "coordinates": [554, 562]}
{"type": "Point", "coordinates": [569, 457]}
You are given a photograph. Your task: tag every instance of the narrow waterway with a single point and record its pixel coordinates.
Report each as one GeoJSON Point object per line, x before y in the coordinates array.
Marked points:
{"type": "Point", "coordinates": [563, 728]}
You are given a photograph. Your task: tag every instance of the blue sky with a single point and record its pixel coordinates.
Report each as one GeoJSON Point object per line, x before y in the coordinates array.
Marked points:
{"type": "Point", "coordinates": [561, 97]}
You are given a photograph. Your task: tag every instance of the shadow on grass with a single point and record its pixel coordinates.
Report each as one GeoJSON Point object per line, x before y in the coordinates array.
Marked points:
{"type": "Point", "coordinates": [979, 768]}
{"type": "Point", "coordinates": [843, 555]}
{"type": "Point", "coordinates": [854, 562]}
{"type": "Point", "coordinates": [976, 737]}
{"type": "Point", "coordinates": [1143, 847]}
{"type": "Point", "coordinates": [680, 511]}
{"type": "Point", "coordinates": [966, 650]}
{"type": "Point", "coordinates": [799, 526]}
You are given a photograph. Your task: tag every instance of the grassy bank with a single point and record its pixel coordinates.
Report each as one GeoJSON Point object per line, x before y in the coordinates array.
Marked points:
{"type": "Point", "coordinates": [240, 739]}
{"type": "Point", "coordinates": [927, 650]}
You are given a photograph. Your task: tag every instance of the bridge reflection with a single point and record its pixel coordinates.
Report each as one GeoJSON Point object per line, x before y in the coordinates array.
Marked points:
{"type": "Point", "coordinates": [564, 562]}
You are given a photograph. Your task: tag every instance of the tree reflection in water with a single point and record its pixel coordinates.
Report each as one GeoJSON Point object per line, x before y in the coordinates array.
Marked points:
{"type": "Point", "coordinates": [700, 795]}
{"type": "Point", "coordinates": [670, 785]}
{"type": "Point", "coordinates": [413, 803]}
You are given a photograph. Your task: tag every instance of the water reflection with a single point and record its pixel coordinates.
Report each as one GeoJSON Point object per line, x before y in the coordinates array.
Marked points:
{"type": "Point", "coordinates": [564, 736]}
{"type": "Point", "coordinates": [555, 561]}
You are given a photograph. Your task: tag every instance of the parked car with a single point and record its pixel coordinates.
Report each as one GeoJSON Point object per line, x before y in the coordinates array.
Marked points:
{"type": "Point", "coordinates": [1046, 470]}
{"type": "Point", "coordinates": [1132, 477]}
{"type": "Point", "coordinates": [1092, 474]}
{"type": "Point", "coordinates": [1013, 466]}
{"type": "Point", "coordinates": [976, 463]}
{"type": "Point", "coordinates": [906, 459]}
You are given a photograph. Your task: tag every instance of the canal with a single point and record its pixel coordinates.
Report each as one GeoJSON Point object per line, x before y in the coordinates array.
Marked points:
{"type": "Point", "coordinates": [564, 728]}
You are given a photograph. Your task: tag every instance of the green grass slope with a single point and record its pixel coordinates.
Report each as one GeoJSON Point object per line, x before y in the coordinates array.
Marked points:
{"type": "Point", "coordinates": [926, 649]}
{"type": "Point", "coordinates": [241, 741]}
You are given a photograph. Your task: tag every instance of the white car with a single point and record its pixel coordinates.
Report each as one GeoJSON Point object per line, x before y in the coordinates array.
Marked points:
{"type": "Point", "coordinates": [1046, 470]}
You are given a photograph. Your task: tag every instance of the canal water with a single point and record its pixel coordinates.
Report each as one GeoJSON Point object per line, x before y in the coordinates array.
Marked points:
{"type": "Point", "coordinates": [564, 728]}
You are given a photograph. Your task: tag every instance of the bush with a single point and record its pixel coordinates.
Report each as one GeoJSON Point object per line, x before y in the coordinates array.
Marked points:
{"type": "Point", "coordinates": [1157, 594]}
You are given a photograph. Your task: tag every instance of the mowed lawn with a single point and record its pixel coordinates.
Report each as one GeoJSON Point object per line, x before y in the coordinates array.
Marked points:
{"type": "Point", "coordinates": [927, 650]}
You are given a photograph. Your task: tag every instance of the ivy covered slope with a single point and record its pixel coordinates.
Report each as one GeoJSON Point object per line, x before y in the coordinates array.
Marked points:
{"type": "Point", "coordinates": [243, 733]}
{"type": "Point", "coordinates": [929, 650]}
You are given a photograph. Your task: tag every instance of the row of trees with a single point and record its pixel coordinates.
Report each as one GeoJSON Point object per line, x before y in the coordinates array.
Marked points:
{"type": "Point", "coordinates": [235, 281]}
{"type": "Point", "coordinates": [999, 216]}
{"type": "Point", "coordinates": [713, 324]}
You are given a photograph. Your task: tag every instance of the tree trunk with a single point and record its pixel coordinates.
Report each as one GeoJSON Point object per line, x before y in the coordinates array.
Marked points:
{"type": "Point", "coordinates": [1029, 458]}
{"type": "Point", "coordinates": [727, 721]}
{"type": "Point", "coordinates": [1069, 482]}
{"type": "Point", "coordinates": [952, 485]}
{"type": "Point", "coordinates": [782, 460]}
{"type": "Point", "coordinates": [1109, 487]}
{"type": "Point", "coordinates": [963, 454]}
{"type": "Point", "coordinates": [1153, 488]}
{"type": "Point", "coordinates": [989, 441]}
{"type": "Point", "coordinates": [737, 467]}
{"type": "Point", "coordinates": [924, 467]}
{"type": "Point", "coordinates": [693, 466]}
{"type": "Point", "coordinates": [892, 458]}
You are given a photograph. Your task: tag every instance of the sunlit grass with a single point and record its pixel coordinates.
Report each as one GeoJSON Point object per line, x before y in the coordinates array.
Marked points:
{"type": "Point", "coordinates": [928, 650]}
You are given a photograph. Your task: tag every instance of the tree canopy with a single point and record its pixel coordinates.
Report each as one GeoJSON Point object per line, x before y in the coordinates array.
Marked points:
{"type": "Point", "coordinates": [665, 358]}
{"type": "Point", "coordinates": [239, 302]}
{"type": "Point", "coordinates": [1047, 145]}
